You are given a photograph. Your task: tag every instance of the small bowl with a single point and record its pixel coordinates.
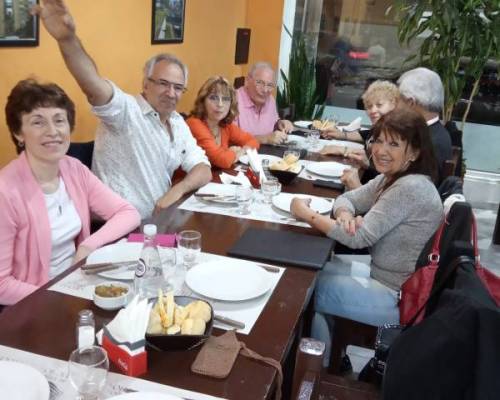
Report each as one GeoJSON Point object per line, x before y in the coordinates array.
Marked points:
{"type": "Point", "coordinates": [113, 303]}
{"type": "Point", "coordinates": [178, 342]}
{"type": "Point", "coordinates": [284, 177]}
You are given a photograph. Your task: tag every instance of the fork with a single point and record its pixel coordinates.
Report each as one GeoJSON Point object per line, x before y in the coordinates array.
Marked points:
{"type": "Point", "coordinates": [55, 392]}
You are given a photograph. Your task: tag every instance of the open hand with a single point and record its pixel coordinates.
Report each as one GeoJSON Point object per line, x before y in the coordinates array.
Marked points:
{"type": "Point", "coordinates": [350, 224]}
{"type": "Point", "coordinates": [56, 19]}
{"type": "Point", "coordinates": [359, 156]}
{"type": "Point", "coordinates": [350, 178]}
{"type": "Point", "coordinates": [278, 137]}
{"type": "Point", "coordinates": [299, 207]}
{"type": "Point", "coordinates": [285, 125]}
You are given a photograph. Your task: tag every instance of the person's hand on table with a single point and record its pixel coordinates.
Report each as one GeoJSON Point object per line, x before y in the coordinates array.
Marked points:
{"type": "Point", "coordinates": [333, 133]}
{"type": "Point", "coordinates": [169, 198]}
{"type": "Point", "coordinates": [350, 178]}
{"type": "Point", "coordinates": [359, 156]}
{"type": "Point", "coordinates": [332, 150]}
{"type": "Point", "coordinates": [284, 125]}
{"type": "Point", "coordinates": [278, 137]}
{"type": "Point", "coordinates": [81, 253]}
{"type": "Point", "coordinates": [300, 207]}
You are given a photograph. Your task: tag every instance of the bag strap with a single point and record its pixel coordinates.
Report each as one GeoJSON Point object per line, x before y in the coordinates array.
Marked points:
{"type": "Point", "coordinates": [434, 254]}
{"type": "Point", "coordinates": [453, 267]}
{"type": "Point", "coordinates": [477, 258]}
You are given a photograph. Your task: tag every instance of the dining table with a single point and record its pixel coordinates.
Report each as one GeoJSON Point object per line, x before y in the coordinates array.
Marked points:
{"type": "Point", "coordinates": [44, 322]}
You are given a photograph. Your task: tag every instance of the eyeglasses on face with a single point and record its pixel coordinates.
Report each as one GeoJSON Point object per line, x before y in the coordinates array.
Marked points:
{"type": "Point", "coordinates": [218, 99]}
{"type": "Point", "coordinates": [263, 84]}
{"type": "Point", "coordinates": [167, 85]}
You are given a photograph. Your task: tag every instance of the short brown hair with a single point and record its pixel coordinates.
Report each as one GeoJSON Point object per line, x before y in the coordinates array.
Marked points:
{"type": "Point", "coordinates": [408, 125]}
{"type": "Point", "coordinates": [380, 89]}
{"type": "Point", "coordinates": [28, 95]}
{"type": "Point", "coordinates": [213, 85]}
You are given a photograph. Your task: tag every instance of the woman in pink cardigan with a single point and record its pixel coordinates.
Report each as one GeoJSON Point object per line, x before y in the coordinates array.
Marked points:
{"type": "Point", "coordinates": [46, 197]}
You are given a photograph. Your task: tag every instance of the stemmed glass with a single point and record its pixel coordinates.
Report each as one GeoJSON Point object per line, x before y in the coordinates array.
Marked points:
{"type": "Point", "coordinates": [270, 188]}
{"type": "Point", "coordinates": [88, 368]}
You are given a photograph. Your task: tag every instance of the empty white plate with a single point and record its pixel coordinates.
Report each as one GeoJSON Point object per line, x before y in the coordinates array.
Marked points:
{"type": "Point", "coordinates": [319, 204]}
{"type": "Point", "coordinates": [229, 280]}
{"type": "Point", "coordinates": [302, 124]}
{"type": "Point", "coordinates": [331, 169]}
{"type": "Point", "coordinates": [21, 382]}
{"type": "Point", "coordinates": [244, 158]}
{"type": "Point", "coordinates": [145, 396]}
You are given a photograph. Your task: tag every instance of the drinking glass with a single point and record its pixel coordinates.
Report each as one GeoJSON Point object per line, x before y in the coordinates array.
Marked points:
{"type": "Point", "coordinates": [313, 139]}
{"type": "Point", "coordinates": [244, 196]}
{"type": "Point", "coordinates": [270, 188]}
{"type": "Point", "coordinates": [88, 368]}
{"type": "Point", "coordinates": [189, 244]}
{"type": "Point", "coordinates": [168, 257]}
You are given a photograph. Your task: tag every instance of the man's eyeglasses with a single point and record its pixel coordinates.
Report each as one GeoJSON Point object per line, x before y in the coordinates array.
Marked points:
{"type": "Point", "coordinates": [262, 84]}
{"type": "Point", "coordinates": [167, 85]}
{"type": "Point", "coordinates": [217, 99]}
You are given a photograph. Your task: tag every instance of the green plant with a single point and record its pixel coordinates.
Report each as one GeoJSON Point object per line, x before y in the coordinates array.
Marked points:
{"type": "Point", "coordinates": [299, 88]}
{"type": "Point", "coordinates": [461, 36]}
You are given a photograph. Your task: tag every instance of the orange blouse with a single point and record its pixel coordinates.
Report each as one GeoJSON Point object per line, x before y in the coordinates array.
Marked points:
{"type": "Point", "coordinates": [231, 135]}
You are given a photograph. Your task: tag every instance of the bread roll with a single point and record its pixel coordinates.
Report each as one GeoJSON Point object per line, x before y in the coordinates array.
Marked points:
{"type": "Point", "coordinates": [173, 330]}
{"type": "Point", "coordinates": [280, 165]}
{"type": "Point", "coordinates": [291, 159]}
{"type": "Point", "coordinates": [154, 324]}
{"type": "Point", "coordinates": [200, 309]}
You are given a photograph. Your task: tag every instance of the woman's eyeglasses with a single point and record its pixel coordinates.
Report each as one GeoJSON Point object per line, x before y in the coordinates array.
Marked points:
{"type": "Point", "coordinates": [219, 99]}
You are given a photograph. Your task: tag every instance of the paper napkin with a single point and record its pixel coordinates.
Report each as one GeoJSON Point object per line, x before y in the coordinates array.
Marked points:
{"type": "Point", "coordinates": [239, 179]}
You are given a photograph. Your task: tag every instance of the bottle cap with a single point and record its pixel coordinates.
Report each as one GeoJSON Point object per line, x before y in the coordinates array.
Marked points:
{"type": "Point", "coordinates": [86, 316]}
{"type": "Point", "coordinates": [149, 229]}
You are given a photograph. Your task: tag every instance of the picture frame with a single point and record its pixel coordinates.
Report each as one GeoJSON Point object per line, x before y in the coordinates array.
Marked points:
{"type": "Point", "coordinates": [167, 23]}
{"type": "Point", "coordinates": [18, 28]}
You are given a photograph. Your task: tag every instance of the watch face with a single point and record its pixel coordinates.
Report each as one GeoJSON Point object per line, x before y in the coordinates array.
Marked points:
{"type": "Point", "coordinates": [141, 268]}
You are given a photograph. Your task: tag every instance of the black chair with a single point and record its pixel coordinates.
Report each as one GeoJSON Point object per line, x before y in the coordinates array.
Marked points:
{"type": "Point", "coordinates": [83, 151]}
{"type": "Point", "coordinates": [239, 81]}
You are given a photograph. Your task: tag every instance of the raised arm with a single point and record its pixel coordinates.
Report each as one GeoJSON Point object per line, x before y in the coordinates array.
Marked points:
{"type": "Point", "coordinates": [59, 23]}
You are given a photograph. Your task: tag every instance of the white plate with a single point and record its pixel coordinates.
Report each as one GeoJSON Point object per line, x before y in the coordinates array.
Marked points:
{"type": "Point", "coordinates": [331, 169]}
{"type": "Point", "coordinates": [117, 252]}
{"type": "Point", "coordinates": [302, 124]}
{"type": "Point", "coordinates": [319, 204]}
{"type": "Point", "coordinates": [229, 280]}
{"type": "Point", "coordinates": [22, 382]}
{"type": "Point", "coordinates": [145, 396]}
{"type": "Point", "coordinates": [244, 158]}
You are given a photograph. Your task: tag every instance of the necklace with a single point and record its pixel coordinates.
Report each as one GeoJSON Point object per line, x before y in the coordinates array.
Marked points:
{"type": "Point", "coordinates": [215, 130]}
{"type": "Point", "coordinates": [57, 196]}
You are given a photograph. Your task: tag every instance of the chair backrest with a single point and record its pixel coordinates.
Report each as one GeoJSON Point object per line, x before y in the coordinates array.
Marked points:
{"type": "Point", "coordinates": [239, 81]}
{"type": "Point", "coordinates": [83, 151]}
{"type": "Point", "coordinates": [453, 167]}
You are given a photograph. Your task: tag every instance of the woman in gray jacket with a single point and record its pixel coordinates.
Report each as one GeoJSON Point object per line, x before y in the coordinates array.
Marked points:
{"type": "Point", "coordinates": [401, 210]}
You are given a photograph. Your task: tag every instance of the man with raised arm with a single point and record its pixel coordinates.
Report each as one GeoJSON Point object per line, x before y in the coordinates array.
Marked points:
{"type": "Point", "coordinates": [257, 106]}
{"type": "Point", "coordinates": [141, 140]}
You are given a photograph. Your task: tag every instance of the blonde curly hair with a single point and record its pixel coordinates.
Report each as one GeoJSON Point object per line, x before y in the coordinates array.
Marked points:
{"type": "Point", "coordinates": [381, 90]}
{"type": "Point", "coordinates": [216, 85]}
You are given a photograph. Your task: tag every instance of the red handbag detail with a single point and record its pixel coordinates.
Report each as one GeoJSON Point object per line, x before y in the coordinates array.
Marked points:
{"type": "Point", "coordinates": [489, 279]}
{"type": "Point", "coordinates": [416, 289]}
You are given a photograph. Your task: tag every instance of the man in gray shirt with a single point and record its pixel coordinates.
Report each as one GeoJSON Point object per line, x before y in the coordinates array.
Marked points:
{"type": "Point", "coordinates": [141, 140]}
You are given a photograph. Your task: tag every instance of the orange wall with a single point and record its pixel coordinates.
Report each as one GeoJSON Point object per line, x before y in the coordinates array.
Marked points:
{"type": "Point", "coordinates": [116, 33]}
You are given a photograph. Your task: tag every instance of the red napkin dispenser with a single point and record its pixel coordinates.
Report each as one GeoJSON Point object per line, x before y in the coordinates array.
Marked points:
{"type": "Point", "coordinates": [130, 358]}
{"type": "Point", "coordinates": [253, 177]}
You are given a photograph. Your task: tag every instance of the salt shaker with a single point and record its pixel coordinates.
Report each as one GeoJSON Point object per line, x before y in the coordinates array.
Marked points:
{"type": "Point", "coordinates": [85, 329]}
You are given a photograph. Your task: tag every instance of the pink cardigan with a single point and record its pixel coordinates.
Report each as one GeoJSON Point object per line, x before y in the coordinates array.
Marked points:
{"type": "Point", "coordinates": [25, 245]}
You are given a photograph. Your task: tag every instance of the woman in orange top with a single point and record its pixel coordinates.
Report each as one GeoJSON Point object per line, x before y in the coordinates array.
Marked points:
{"type": "Point", "coordinates": [211, 123]}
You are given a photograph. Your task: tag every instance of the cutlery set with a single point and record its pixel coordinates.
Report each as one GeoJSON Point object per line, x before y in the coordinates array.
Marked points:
{"type": "Point", "coordinates": [91, 269]}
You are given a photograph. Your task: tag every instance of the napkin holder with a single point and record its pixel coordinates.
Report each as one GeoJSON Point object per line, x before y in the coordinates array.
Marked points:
{"type": "Point", "coordinates": [130, 358]}
{"type": "Point", "coordinates": [253, 177]}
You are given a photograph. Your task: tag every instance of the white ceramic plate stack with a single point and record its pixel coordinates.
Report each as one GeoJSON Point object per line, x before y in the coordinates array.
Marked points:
{"type": "Point", "coordinates": [330, 169]}
{"type": "Point", "coordinates": [229, 280]}
{"type": "Point", "coordinates": [21, 382]}
{"type": "Point", "coordinates": [318, 204]}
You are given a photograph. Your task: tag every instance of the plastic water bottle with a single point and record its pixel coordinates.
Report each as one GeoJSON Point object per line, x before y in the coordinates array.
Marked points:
{"type": "Point", "coordinates": [149, 272]}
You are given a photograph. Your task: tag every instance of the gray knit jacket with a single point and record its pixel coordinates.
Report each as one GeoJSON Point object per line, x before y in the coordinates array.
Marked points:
{"type": "Point", "coordinates": [396, 225]}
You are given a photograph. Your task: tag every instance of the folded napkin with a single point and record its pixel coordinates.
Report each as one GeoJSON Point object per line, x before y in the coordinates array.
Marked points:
{"type": "Point", "coordinates": [353, 126]}
{"type": "Point", "coordinates": [164, 240]}
{"type": "Point", "coordinates": [255, 163]}
{"type": "Point", "coordinates": [130, 324]}
{"type": "Point", "coordinates": [239, 179]}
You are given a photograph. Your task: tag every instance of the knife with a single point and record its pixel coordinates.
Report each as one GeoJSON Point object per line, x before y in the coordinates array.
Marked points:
{"type": "Point", "coordinates": [211, 196]}
{"type": "Point", "coordinates": [229, 321]}
{"type": "Point", "coordinates": [118, 264]}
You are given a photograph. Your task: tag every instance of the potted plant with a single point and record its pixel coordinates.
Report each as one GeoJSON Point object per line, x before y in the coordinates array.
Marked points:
{"type": "Point", "coordinates": [299, 93]}
{"type": "Point", "coordinates": [461, 37]}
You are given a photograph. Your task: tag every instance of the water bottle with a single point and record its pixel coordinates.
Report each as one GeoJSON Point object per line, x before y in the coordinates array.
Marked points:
{"type": "Point", "coordinates": [149, 272]}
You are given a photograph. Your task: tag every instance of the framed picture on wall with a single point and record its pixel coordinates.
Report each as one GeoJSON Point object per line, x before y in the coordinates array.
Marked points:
{"type": "Point", "coordinates": [17, 26]}
{"type": "Point", "coordinates": [168, 21]}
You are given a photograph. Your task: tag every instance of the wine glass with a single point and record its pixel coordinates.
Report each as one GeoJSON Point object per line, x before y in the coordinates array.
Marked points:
{"type": "Point", "coordinates": [88, 368]}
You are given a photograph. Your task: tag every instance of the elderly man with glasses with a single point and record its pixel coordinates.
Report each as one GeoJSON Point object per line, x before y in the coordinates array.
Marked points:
{"type": "Point", "coordinates": [257, 106]}
{"type": "Point", "coordinates": [141, 140]}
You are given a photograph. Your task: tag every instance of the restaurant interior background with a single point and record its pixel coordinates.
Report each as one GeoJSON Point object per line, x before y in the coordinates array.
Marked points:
{"type": "Point", "coordinates": [352, 41]}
